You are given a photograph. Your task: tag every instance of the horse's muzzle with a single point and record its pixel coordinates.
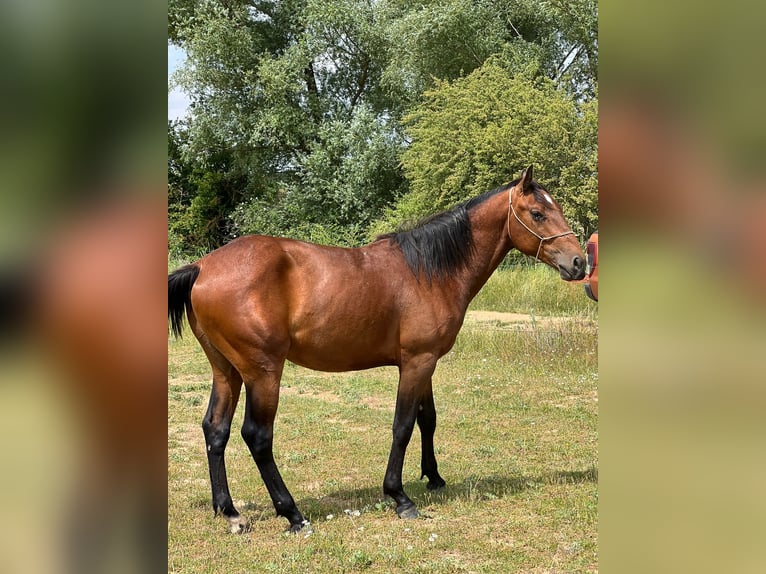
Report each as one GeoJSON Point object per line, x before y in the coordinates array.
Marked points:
{"type": "Point", "coordinates": [574, 270]}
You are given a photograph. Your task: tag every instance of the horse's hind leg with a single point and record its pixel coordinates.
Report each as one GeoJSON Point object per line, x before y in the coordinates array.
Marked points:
{"type": "Point", "coordinates": [216, 425]}
{"type": "Point", "coordinates": [427, 424]}
{"type": "Point", "coordinates": [262, 397]}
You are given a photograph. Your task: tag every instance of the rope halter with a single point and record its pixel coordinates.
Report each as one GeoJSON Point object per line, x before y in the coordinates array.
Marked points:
{"type": "Point", "coordinates": [540, 237]}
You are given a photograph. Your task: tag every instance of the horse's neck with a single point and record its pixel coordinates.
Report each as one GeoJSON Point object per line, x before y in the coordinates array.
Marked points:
{"type": "Point", "coordinates": [490, 243]}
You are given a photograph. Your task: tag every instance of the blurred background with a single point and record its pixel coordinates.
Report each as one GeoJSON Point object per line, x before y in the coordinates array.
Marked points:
{"type": "Point", "coordinates": [82, 264]}
{"type": "Point", "coordinates": [83, 253]}
{"type": "Point", "coordinates": [681, 196]}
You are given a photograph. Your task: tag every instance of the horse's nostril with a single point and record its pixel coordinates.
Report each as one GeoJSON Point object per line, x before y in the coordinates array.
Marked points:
{"type": "Point", "coordinates": [577, 262]}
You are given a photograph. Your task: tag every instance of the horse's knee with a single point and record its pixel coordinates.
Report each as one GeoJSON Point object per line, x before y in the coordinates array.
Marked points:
{"type": "Point", "coordinates": [427, 423]}
{"type": "Point", "coordinates": [249, 432]}
{"type": "Point", "coordinates": [258, 439]}
{"type": "Point", "coordinates": [216, 436]}
{"type": "Point", "coordinates": [402, 433]}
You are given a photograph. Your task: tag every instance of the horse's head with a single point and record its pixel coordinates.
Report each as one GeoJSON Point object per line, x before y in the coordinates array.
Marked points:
{"type": "Point", "coordinates": [537, 227]}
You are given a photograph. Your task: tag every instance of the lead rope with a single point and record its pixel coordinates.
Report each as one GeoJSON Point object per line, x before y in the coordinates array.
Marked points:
{"type": "Point", "coordinates": [541, 238]}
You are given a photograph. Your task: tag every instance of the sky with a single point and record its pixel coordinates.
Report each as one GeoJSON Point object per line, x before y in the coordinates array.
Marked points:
{"type": "Point", "coordinates": [178, 102]}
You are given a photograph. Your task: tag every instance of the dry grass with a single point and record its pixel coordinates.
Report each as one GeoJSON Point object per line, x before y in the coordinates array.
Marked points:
{"type": "Point", "coordinates": [516, 443]}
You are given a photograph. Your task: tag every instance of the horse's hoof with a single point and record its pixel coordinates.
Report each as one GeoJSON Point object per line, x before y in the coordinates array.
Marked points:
{"type": "Point", "coordinates": [297, 527]}
{"type": "Point", "coordinates": [238, 525]}
{"type": "Point", "coordinates": [407, 511]}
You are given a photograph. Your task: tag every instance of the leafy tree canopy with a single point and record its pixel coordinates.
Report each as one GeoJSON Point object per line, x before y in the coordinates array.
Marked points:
{"type": "Point", "coordinates": [478, 132]}
{"type": "Point", "coordinates": [297, 106]}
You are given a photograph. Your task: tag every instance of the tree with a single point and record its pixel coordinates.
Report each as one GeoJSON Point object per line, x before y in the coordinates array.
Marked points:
{"type": "Point", "coordinates": [300, 102]}
{"type": "Point", "coordinates": [447, 39]}
{"type": "Point", "coordinates": [292, 87]}
{"type": "Point", "coordinates": [201, 195]}
{"type": "Point", "coordinates": [478, 132]}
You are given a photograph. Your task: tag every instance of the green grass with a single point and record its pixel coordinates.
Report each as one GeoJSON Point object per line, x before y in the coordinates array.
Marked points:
{"type": "Point", "coordinates": [516, 442]}
{"type": "Point", "coordinates": [536, 290]}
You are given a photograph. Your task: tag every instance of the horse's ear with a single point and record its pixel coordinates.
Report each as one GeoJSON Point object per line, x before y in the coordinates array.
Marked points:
{"type": "Point", "coordinates": [526, 180]}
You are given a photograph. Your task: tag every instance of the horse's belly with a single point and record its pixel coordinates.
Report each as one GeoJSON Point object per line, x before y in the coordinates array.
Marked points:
{"type": "Point", "coordinates": [343, 348]}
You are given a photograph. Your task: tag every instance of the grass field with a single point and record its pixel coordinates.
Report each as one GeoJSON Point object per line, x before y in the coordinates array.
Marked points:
{"type": "Point", "coordinates": [516, 443]}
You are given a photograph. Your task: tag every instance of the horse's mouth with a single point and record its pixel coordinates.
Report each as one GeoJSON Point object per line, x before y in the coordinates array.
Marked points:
{"type": "Point", "coordinates": [573, 274]}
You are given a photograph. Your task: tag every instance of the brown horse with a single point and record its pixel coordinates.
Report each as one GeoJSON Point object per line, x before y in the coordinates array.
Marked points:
{"type": "Point", "coordinates": [400, 300]}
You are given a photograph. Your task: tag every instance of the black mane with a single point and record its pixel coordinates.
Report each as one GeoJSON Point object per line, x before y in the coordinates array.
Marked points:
{"type": "Point", "coordinates": [440, 245]}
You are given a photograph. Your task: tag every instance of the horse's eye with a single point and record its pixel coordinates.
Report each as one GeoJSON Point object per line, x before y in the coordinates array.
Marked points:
{"type": "Point", "coordinates": [537, 216]}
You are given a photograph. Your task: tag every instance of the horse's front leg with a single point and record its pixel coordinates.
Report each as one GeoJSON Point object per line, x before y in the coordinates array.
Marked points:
{"type": "Point", "coordinates": [414, 379]}
{"type": "Point", "coordinates": [427, 424]}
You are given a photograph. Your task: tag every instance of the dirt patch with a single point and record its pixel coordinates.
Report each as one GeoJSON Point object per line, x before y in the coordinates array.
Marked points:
{"type": "Point", "coordinates": [486, 316]}
{"type": "Point", "coordinates": [520, 320]}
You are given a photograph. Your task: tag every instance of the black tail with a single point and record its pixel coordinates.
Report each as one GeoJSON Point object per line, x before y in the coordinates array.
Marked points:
{"type": "Point", "coordinates": [180, 284]}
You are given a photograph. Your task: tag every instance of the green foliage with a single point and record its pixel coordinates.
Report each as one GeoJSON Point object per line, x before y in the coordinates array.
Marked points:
{"type": "Point", "coordinates": [201, 195]}
{"type": "Point", "coordinates": [296, 106]}
{"type": "Point", "coordinates": [275, 215]}
{"type": "Point", "coordinates": [448, 39]}
{"type": "Point", "coordinates": [536, 290]}
{"type": "Point", "coordinates": [345, 179]}
{"type": "Point", "coordinates": [478, 132]}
